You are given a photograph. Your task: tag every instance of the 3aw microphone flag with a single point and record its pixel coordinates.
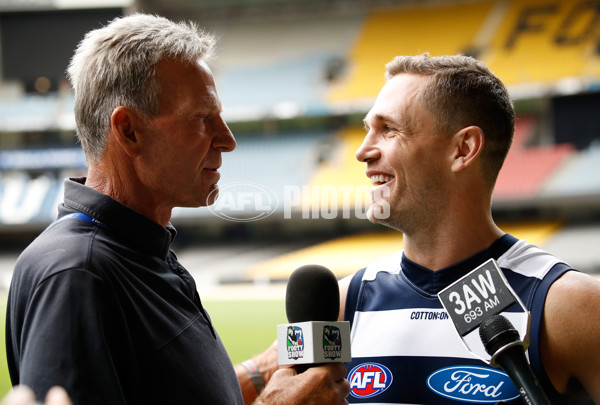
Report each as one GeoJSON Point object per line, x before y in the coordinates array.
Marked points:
{"type": "Point", "coordinates": [482, 293]}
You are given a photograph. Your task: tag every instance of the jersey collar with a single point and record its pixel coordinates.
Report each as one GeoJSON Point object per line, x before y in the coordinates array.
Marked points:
{"type": "Point", "coordinates": [431, 282]}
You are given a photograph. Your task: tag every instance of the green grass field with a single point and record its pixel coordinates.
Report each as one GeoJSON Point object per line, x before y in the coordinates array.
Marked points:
{"type": "Point", "coordinates": [245, 326]}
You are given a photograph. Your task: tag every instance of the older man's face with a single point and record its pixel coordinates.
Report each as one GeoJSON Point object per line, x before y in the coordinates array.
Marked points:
{"type": "Point", "coordinates": [186, 137]}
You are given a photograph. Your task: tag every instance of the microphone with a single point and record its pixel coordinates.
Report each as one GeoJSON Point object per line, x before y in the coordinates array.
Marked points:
{"type": "Point", "coordinates": [313, 334]}
{"type": "Point", "coordinates": [502, 342]}
{"type": "Point", "coordinates": [312, 294]}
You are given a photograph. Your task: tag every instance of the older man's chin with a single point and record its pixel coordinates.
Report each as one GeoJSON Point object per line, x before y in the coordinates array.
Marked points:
{"type": "Point", "coordinates": [211, 197]}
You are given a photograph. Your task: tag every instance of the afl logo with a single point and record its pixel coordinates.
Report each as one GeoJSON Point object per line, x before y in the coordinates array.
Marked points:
{"type": "Point", "coordinates": [369, 379]}
{"type": "Point", "coordinates": [243, 202]}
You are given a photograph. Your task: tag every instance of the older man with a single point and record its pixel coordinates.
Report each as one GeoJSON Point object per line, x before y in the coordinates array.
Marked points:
{"type": "Point", "coordinates": [99, 303]}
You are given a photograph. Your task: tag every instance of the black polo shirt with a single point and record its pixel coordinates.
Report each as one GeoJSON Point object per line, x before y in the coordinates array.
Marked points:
{"type": "Point", "coordinates": [106, 311]}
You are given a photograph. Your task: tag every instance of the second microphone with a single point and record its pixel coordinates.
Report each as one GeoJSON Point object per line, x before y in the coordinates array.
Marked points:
{"type": "Point", "coordinates": [313, 334]}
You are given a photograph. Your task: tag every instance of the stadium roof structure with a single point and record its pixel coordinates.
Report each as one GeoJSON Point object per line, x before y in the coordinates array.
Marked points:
{"type": "Point", "coordinates": [208, 9]}
{"type": "Point", "coordinates": [47, 5]}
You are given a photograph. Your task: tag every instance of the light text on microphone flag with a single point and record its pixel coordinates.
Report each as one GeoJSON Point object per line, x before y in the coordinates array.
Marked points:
{"type": "Point", "coordinates": [478, 295]}
{"type": "Point", "coordinates": [313, 334]}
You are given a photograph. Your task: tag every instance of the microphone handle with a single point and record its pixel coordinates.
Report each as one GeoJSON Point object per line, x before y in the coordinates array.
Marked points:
{"type": "Point", "coordinates": [301, 368]}
{"type": "Point", "coordinates": [513, 361]}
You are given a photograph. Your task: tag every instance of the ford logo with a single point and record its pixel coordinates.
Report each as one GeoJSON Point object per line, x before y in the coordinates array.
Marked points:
{"type": "Point", "coordinates": [369, 379]}
{"type": "Point", "coordinates": [472, 384]}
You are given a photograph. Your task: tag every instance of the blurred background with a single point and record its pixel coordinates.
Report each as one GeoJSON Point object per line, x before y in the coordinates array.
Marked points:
{"type": "Point", "coordinates": [296, 78]}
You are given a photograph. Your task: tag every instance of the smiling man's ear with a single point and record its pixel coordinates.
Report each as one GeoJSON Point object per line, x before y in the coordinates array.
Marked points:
{"type": "Point", "coordinates": [467, 148]}
{"type": "Point", "coordinates": [123, 123]}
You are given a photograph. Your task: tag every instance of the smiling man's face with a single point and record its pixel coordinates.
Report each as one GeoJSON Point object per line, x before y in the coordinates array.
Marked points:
{"type": "Point", "coordinates": [404, 156]}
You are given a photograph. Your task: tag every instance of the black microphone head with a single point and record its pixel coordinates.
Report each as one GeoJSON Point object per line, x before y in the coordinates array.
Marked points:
{"type": "Point", "coordinates": [312, 294]}
{"type": "Point", "coordinates": [497, 332]}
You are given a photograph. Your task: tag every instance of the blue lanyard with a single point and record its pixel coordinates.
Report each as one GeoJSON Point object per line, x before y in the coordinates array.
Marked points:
{"type": "Point", "coordinates": [82, 216]}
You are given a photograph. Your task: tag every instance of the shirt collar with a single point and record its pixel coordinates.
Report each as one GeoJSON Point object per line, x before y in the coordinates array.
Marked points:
{"type": "Point", "coordinates": [132, 228]}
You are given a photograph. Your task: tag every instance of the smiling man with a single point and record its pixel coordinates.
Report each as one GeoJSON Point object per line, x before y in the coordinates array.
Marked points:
{"type": "Point", "coordinates": [436, 139]}
{"type": "Point", "coordinates": [99, 303]}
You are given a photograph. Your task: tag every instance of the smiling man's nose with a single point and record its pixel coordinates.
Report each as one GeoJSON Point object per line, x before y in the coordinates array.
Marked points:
{"type": "Point", "coordinates": [367, 150]}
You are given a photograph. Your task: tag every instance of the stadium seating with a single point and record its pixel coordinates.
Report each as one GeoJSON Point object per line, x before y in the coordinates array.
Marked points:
{"type": "Point", "coordinates": [347, 254]}
{"type": "Point", "coordinates": [578, 178]}
{"type": "Point", "coordinates": [528, 44]}
{"type": "Point", "coordinates": [25, 200]}
{"type": "Point", "coordinates": [296, 86]}
{"type": "Point", "coordinates": [540, 41]}
{"type": "Point", "coordinates": [282, 68]}
{"type": "Point", "coordinates": [527, 168]}
{"type": "Point", "coordinates": [308, 65]}
{"type": "Point", "coordinates": [343, 256]}
{"type": "Point", "coordinates": [28, 113]}
{"type": "Point", "coordinates": [341, 178]}
{"type": "Point", "coordinates": [288, 160]}
{"type": "Point", "coordinates": [439, 29]}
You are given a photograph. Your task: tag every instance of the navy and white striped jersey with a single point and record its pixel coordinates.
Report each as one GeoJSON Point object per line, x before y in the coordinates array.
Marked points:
{"type": "Point", "coordinates": [405, 349]}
